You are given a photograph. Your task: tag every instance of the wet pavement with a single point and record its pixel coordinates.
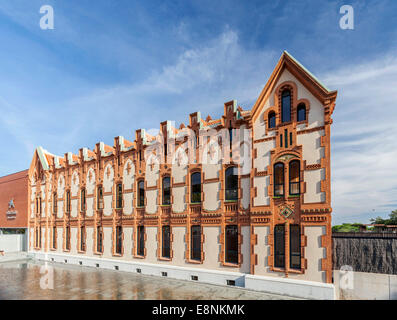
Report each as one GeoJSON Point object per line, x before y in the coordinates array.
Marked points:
{"type": "Point", "coordinates": [25, 280]}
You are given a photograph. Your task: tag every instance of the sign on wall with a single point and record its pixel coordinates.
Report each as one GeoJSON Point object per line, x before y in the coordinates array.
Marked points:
{"type": "Point", "coordinates": [11, 212]}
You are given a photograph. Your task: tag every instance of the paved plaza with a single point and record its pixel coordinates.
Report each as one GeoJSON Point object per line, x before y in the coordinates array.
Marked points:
{"type": "Point", "coordinates": [21, 280]}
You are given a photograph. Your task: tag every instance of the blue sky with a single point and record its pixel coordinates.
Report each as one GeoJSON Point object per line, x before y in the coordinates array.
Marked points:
{"type": "Point", "coordinates": [111, 67]}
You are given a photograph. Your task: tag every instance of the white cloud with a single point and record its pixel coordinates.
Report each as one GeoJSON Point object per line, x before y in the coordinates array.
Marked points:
{"type": "Point", "coordinates": [364, 146]}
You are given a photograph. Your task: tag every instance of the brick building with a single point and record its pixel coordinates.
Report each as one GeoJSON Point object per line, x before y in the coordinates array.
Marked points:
{"type": "Point", "coordinates": [14, 202]}
{"type": "Point", "coordinates": [259, 210]}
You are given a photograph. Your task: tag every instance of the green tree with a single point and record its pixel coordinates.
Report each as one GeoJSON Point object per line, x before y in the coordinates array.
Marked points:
{"type": "Point", "coordinates": [392, 220]}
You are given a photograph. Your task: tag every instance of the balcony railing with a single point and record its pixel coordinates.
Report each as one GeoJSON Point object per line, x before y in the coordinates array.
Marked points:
{"type": "Point", "coordinates": [166, 210]}
{"type": "Point", "coordinates": [231, 207]}
{"type": "Point", "coordinates": [140, 211]}
{"type": "Point", "coordinates": [195, 208]}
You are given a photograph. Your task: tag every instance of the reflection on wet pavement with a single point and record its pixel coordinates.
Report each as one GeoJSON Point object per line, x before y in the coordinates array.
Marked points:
{"type": "Point", "coordinates": [21, 280]}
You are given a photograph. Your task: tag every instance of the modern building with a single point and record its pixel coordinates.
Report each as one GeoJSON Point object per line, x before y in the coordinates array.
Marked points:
{"type": "Point", "coordinates": [244, 199]}
{"type": "Point", "coordinates": [14, 211]}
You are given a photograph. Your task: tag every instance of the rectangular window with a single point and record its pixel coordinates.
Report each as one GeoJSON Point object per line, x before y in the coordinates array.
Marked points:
{"type": "Point", "coordinates": [54, 237]}
{"type": "Point", "coordinates": [37, 238]}
{"type": "Point", "coordinates": [83, 200]}
{"type": "Point", "coordinates": [119, 239]}
{"type": "Point", "coordinates": [290, 138]}
{"type": "Point", "coordinates": [55, 203]}
{"type": "Point", "coordinates": [166, 191]}
{"type": "Point", "coordinates": [41, 207]}
{"type": "Point", "coordinates": [279, 246]}
{"type": "Point", "coordinates": [295, 247]}
{"type": "Point", "coordinates": [40, 237]}
{"type": "Point", "coordinates": [286, 137]}
{"type": "Point", "coordinates": [166, 242]}
{"type": "Point", "coordinates": [100, 198]}
{"type": "Point", "coordinates": [231, 244]}
{"type": "Point", "coordinates": [281, 140]}
{"type": "Point", "coordinates": [195, 243]}
{"type": "Point", "coordinates": [141, 241]}
{"type": "Point", "coordinates": [141, 193]}
{"type": "Point", "coordinates": [67, 238]}
{"type": "Point", "coordinates": [68, 201]}
{"type": "Point", "coordinates": [82, 238]}
{"type": "Point", "coordinates": [119, 202]}
{"type": "Point", "coordinates": [99, 239]}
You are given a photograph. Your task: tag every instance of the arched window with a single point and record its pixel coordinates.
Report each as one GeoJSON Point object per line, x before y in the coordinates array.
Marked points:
{"type": "Point", "coordinates": [294, 178]}
{"type": "Point", "coordinates": [286, 106]}
{"type": "Point", "coordinates": [166, 191]}
{"type": "Point", "coordinates": [195, 181]}
{"type": "Point", "coordinates": [231, 183]}
{"type": "Point", "coordinates": [119, 201]}
{"type": "Point", "coordinates": [271, 119]}
{"type": "Point", "coordinates": [141, 193]}
{"type": "Point", "coordinates": [301, 112]}
{"type": "Point", "coordinates": [278, 179]}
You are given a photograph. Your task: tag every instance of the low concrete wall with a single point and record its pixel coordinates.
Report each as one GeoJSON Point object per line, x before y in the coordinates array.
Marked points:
{"type": "Point", "coordinates": [365, 286]}
{"type": "Point", "coordinates": [291, 287]}
{"type": "Point", "coordinates": [287, 287]}
{"type": "Point", "coordinates": [12, 242]}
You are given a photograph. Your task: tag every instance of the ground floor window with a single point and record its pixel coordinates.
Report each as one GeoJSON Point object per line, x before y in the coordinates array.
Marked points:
{"type": "Point", "coordinates": [54, 237]}
{"type": "Point", "coordinates": [279, 246]}
{"type": "Point", "coordinates": [119, 239]}
{"type": "Point", "coordinates": [67, 238]}
{"type": "Point", "coordinates": [231, 244]}
{"type": "Point", "coordinates": [82, 238]}
{"type": "Point", "coordinates": [99, 247]}
{"type": "Point", "coordinates": [37, 238]}
{"type": "Point", "coordinates": [166, 242]}
{"type": "Point", "coordinates": [195, 244]}
{"type": "Point", "coordinates": [141, 241]}
{"type": "Point", "coordinates": [295, 247]}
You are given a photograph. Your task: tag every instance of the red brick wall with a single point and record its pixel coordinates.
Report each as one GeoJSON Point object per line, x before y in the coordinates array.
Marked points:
{"type": "Point", "coordinates": [14, 186]}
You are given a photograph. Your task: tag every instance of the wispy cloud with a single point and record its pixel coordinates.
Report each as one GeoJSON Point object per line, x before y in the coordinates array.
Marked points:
{"type": "Point", "coordinates": [364, 175]}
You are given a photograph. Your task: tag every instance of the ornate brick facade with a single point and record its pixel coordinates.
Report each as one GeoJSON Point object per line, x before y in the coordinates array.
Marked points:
{"type": "Point", "coordinates": [80, 202]}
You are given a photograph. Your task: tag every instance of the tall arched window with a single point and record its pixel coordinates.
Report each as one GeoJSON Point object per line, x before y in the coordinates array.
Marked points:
{"type": "Point", "coordinates": [119, 201]}
{"type": "Point", "coordinates": [231, 183]}
{"type": "Point", "coordinates": [141, 193]}
{"type": "Point", "coordinates": [294, 178]}
{"type": "Point", "coordinates": [278, 179]}
{"type": "Point", "coordinates": [286, 106]}
{"type": "Point", "coordinates": [195, 181]}
{"type": "Point", "coordinates": [166, 191]}
{"type": "Point", "coordinates": [301, 112]}
{"type": "Point", "coordinates": [271, 119]}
